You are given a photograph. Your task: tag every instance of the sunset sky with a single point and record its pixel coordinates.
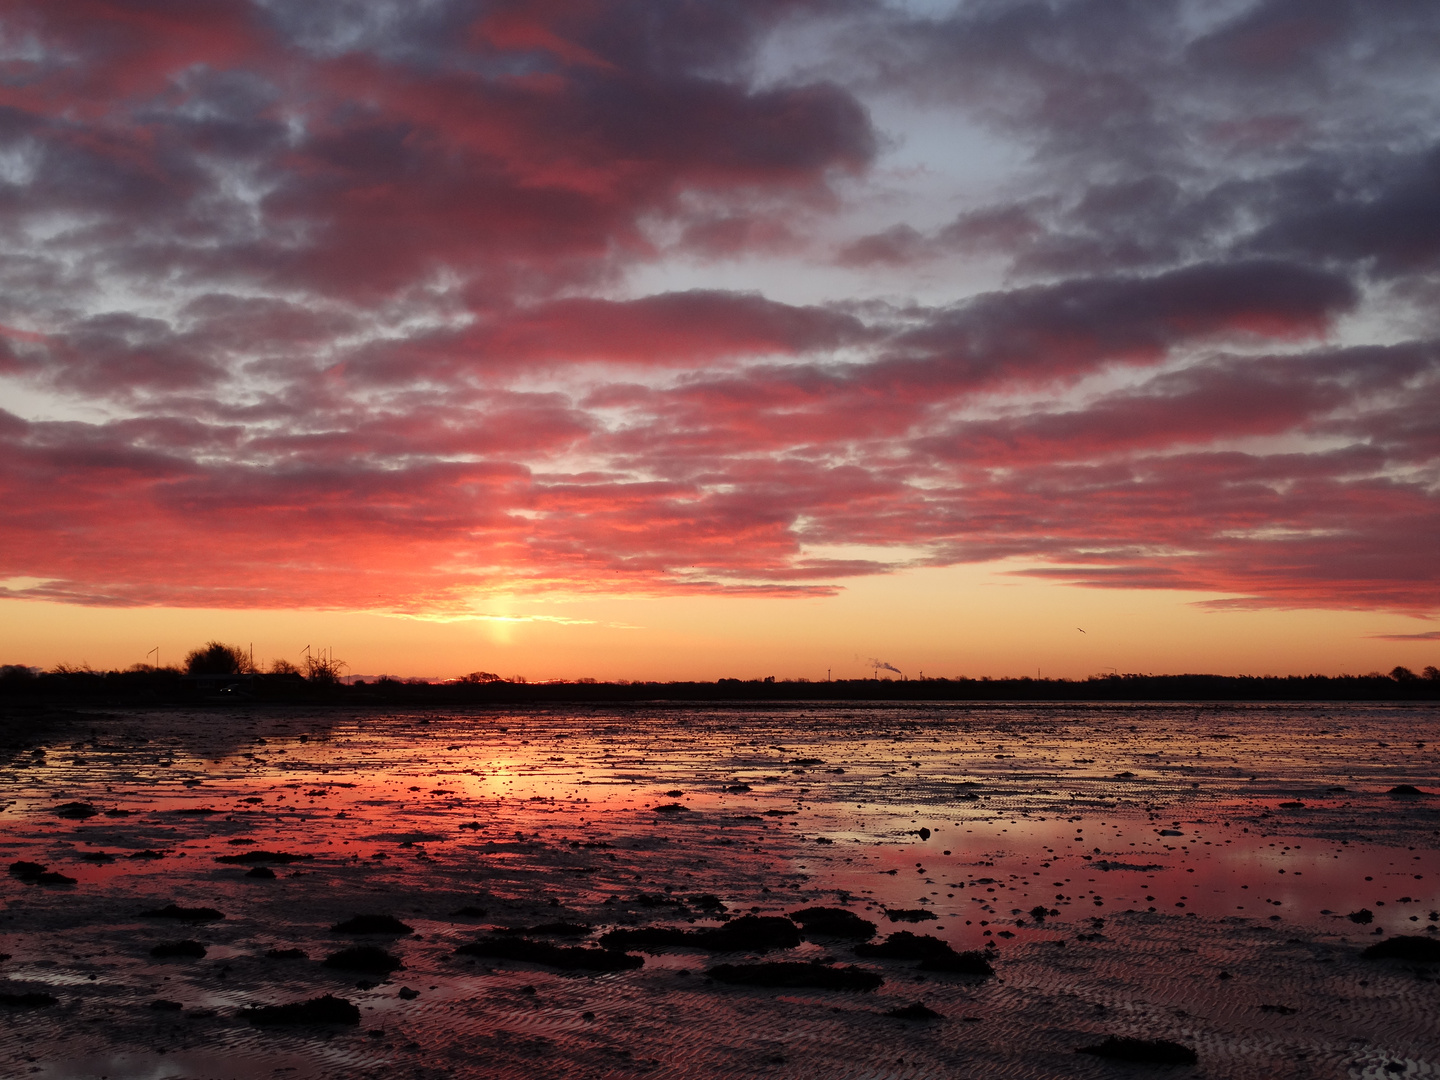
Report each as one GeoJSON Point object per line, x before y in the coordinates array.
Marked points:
{"type": "Point", "coordinates": [659, 339]}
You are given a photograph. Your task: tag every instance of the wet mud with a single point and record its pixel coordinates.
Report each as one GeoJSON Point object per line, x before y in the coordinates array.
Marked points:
{"type": "Point", "coordinates": [692, 892]}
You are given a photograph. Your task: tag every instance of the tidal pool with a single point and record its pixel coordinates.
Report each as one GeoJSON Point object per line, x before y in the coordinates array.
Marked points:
{"type": "Point", "coordinates": [1203, 874]}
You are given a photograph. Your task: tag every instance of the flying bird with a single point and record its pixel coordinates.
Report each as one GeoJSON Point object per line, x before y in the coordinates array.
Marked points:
{"type": "Point", "coordinates": [1082, 631]}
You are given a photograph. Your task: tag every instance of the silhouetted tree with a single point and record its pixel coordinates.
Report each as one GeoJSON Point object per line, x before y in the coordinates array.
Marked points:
{"type": "Point", "coordinates": [217, 658]}
{"type": "Point", "coordinates": [1402, 674]}
{"type": "Point", "coordinates": [324, 668]}
{"type": "Point", "coordinates": [1432, 673]}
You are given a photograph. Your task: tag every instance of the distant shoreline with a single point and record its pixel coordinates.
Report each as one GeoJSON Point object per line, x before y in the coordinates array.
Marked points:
{"type": "Point", "coordinates": [169, 688]}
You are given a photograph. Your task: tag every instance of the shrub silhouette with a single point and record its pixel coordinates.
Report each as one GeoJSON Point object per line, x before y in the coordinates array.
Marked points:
{"type": "Point", "coordinates": [217, 658]}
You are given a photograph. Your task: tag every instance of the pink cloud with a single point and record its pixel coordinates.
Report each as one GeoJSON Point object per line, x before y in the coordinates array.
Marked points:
{"type": "Point", "coordinates": [353, 288]}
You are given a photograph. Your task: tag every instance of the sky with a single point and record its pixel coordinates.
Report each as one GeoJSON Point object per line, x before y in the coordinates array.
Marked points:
{"type": "Point", "coordinates": [658, 339]}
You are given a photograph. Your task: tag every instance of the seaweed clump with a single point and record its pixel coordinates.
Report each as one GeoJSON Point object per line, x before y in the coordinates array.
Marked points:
{"type": "Point", "coordinates": [1142, 1051]}
{"type": "Point", "coordinates": [183, 914]}
{"type": "Point", "coordinates": [187, 949]}
{"type": "Point", "coordinates": [917, 1011]}
{"type": "Point", "coordinates": [834, 922]}
{"type": "Point", "coordinates": [909, 914]}
{"type": "Point", "coordinates": [1415, 949]}
{"type": "Point", "coordinates": [750, 933]}
{"type": "Point", "coordinates": [366, 958]}
{"type": "Point", "coordinates": [564, 957]}
{"type": "Point", "coordinates": [797, 974]}
{"type": "Point", "coordinates": [31, 1000]}
{"type": "Point", "coordinates": [372, 924]}
{"type": "Point", "coordinates": [33, 873]}
{"type": "Point", "coordinates": [281, 857]}
{"type": "Point", "coordinates": [933, 954]}
{"type": "Point", "coordinates": [549, 929]}
{"type": "Point", "coordinates": [322, 1010]}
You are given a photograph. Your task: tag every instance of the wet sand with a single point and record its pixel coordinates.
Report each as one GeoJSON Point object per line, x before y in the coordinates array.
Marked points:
{"type": "Point", "coordinates": [1184, 873]}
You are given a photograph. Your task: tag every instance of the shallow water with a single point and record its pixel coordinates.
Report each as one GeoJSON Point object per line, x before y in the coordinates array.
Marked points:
{"type": "Point", "coordinates": [1165, 844]}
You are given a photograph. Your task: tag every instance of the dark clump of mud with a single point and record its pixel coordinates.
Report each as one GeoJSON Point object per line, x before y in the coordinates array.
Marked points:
{"type": "Point", "coordinates": [367, 958]}
{"type": "Point", "coordinates": [796, 974]}
{"type": "Point", "coordinates": [750, 933]}
{"type": "Point", "coordinates": [76, 810]}
{"type": "Point", "coordinates": [322, 1010]}
{"type": "Point", "coordinates": [549, 929]}
{"type": "Point", "coordinates": [31, 1000]}
{"type": "Point", "coordinates": [261, 872]}
{"type": "Point", "coordinates": [909, 914]}
{"type": "Point", "coordinates": [188, 949]}
{"type": "Point", "coordinates": [1143, 1051]}
{"type": "Point", "coordinates": [165, 1005]}
{"type": "Point", "coordinates": [183, 914]}
{"type": "Point", "coordinates": [564, 957]}
{"type": "Point", "coordinates": [917, 1011]}
{"type": "Point", "coordinates": [281, 857]}
{"type": "Point", "coordinates": [33, 873]}
{"type": "Point", "coordinates": [647, 937]}
{"type": "Point", "coordinates": [1364, 915]}
{"type": "Point", "coordinates": [1416, 950]}
{"type": "Point", "coordinates": [1405, 790]}
{"type": "Point", "coordinates": [372, 924]}
{"type": "Point", "coordinates": [834, 922]}
{"type": "Point", "coordinates": [286, 954]}
{"type": "Point", "coordinates": [933, 954]}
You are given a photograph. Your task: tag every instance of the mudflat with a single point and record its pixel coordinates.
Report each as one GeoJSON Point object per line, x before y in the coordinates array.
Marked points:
{"type": "Point", "coordinates": [330, 892]}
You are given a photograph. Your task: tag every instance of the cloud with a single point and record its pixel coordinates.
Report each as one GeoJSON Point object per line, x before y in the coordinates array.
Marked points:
{"type": "Point", "coordinates": [388, 306]}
